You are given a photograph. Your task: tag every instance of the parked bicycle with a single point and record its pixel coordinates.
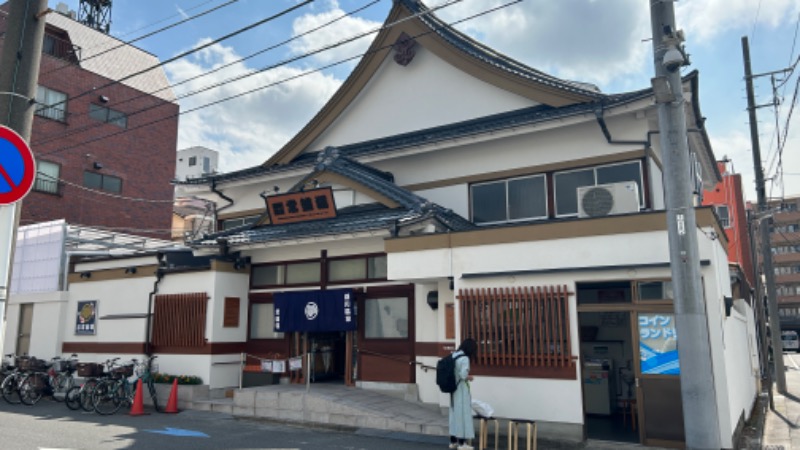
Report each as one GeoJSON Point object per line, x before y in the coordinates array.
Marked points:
{"type": "Point", "coordinates": [11, 384]}
{"type": "Point", "coordinates": [51, 379]}
{"type": "Point", "coordinates": [111, 394]}
{"type": "Point", "coordinates": [80, 397]}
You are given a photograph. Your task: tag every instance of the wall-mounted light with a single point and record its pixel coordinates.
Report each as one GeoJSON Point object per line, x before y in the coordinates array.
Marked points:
{"type": "Point", "coordinates": [241, 263]}
{"type": "Point", "coordinates": [97, 165]}
{"type": "Point", "coordinates": [452, 283]}
{"type": "Point", "coordinates": [85, 275]}
{"type": "Point", "coordinates": [103, 99]}
{"type": "Point", "coordinates": [130, 270]}
{"type": "Point", "coordinates": [728, 306]}
{"type": "Point", "coordinates": [433, 300]}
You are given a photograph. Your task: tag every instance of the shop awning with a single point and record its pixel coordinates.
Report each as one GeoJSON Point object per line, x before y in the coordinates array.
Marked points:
{"type": "Point", "coordinates": [329, 310]}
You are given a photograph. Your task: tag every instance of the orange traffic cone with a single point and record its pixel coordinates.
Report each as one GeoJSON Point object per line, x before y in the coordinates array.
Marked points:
{"type": "Point", "coordinates": [137, 409]}
{"type": "Point", "coordinates": [172, 403]}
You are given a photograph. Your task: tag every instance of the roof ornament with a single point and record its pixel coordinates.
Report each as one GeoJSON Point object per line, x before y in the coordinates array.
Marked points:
{"type": "Point", "coordinates": [404, 49]}
{"type": "Point", "coordinates": [327, 157]}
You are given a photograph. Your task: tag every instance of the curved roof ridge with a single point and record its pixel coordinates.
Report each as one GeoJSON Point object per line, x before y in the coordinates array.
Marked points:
{"type": "Point", "coordinates": [481, 51]}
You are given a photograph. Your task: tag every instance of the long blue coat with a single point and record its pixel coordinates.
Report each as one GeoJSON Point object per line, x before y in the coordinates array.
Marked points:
{"type": "Point", "coordinates": [461, 425]}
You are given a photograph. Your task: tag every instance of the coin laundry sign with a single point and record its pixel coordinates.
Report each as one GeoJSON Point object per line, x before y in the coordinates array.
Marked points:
{"type": "Point", "coordinates": [17, 167]}
{"type": "Point", "coordinates": [330, 310]}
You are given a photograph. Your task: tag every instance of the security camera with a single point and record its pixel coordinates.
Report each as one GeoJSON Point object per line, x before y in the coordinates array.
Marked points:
{"type": "Point", "coordinates": [673, 59]}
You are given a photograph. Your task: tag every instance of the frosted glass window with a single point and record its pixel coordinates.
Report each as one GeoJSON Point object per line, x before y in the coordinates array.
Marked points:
{"type": "Point", "coordinates": [267, 275]}
{"type": "Point", "coordinates": [377, 268]}
{"type": "Point", "coordinates": [302, 273]}
{"type": "Point", "coordinates": [347, 269]}
{"type": "Point", "coordinates": [386, 318]}
{"type": "Point", "coordinates": [262, 322]}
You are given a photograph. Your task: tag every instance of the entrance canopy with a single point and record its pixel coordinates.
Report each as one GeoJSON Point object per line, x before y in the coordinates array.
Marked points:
{"type": "Point", "coordinates": [314, 311]}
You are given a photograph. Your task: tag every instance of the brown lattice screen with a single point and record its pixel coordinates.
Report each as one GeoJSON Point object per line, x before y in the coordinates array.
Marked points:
{"type": "Point", "coordinates": [179, 320]}
{"type": "Point", "coordinates": [522, 327]}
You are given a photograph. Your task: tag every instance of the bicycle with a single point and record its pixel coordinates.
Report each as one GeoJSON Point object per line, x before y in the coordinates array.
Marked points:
{"type": "Point", "coordinates": [10, 383]}
{"type": "Point", "coordinates": [10, 387]}
{"type": "Point", "coordinates": [110, 395]}
{"type": "Point", "coordinates": [52, 379]}
{"type": "Point", "coordinates": [81, 396]}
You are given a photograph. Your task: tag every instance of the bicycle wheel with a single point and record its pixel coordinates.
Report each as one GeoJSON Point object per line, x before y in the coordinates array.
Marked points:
{"type": "Point", "coordinates": [73, 398]}
{"type": "Point", "coordinates": [10, 389]}
{"type": "Point", "coordinates": [86, 394]}
{"type": "Point", "coordinates": [108, 397]}
{"type": "Point", "coordinates": [62, 383]}
{"type": "Point", "coordinates": [32, 387]}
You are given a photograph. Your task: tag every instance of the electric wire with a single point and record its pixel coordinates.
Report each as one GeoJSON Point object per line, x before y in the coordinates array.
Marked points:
{"type": "Point", "coordinates": [291, 78]}
{"type": "Point", "coordinates": [99, 191]}
{"type": "Point", "coordinates": [126, 43]}
{"type": "Point", "coordinates": [71, 132]}
{"type": "Point", "coordinates": [189, 52]}
{"type": "Point", "coordinates": [285, 80]}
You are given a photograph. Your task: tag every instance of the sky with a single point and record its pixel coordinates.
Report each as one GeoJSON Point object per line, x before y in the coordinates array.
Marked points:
{"type": "Point", "coordinates": [603, 42]}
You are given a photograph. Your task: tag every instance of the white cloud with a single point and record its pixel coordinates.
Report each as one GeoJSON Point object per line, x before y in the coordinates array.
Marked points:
{"type": "Point", "coordinates": [249, 129]}
{"type": "Point", "coordinates": [705, 20]}
{"type": "Point", "coordinates": [343, 29]}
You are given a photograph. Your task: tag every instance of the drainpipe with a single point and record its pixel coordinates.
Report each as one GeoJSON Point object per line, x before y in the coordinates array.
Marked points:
{"type": "Point", "coordinates": [148, 350]}
{"type": "Point", "coordinates": [224, 197]}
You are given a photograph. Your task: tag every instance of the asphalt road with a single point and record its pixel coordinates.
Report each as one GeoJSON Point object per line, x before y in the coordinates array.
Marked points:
{"type": "Point", "coordinates": [49, 426]}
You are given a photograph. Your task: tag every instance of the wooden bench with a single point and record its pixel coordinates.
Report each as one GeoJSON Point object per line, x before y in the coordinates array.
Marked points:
{"type": "Point", "coordinates": [513, 432]}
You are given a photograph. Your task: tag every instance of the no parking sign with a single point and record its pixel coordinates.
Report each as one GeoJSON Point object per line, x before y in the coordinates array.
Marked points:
{"type": "Point", "coordinates": [17, 167]}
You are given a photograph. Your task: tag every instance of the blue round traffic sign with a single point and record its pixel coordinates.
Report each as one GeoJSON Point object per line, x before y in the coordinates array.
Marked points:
{"type": "Point", "coordinates": [17, 167]}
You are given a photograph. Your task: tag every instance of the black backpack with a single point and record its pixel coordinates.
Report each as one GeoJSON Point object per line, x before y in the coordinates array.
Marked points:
{"type": "Point", "coordinates": [446, 374]}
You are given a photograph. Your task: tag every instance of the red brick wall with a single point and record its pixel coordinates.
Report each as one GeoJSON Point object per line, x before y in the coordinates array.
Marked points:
{"type": "Point", "coordinates": [143, 156]}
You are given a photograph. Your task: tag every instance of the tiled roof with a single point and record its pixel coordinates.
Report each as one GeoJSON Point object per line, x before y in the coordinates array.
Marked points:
{"type": "Point", "coordinates": [118, 63]}
{"type": "Point", "coordinates": [487, 124]}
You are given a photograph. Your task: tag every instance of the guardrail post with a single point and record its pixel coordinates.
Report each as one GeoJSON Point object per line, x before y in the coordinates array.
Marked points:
{"type": "Point", "coordinates": [241, 369]}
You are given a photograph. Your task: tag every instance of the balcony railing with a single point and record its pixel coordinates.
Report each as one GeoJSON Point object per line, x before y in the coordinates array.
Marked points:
{"type": "Point", "coordinates": [47, 186]}
{"type": "Point", "coordinates": [61, 49]}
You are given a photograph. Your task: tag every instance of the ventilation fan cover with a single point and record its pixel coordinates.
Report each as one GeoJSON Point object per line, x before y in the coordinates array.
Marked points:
{"type": "Point", "coordinates": [608, 199]}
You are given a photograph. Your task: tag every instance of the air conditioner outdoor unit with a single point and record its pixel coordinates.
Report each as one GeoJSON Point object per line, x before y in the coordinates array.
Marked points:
{"type": "Point", "coordinates": [608, 199]}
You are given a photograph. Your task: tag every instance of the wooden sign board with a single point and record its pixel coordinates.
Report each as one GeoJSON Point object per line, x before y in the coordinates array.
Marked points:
{"type": "Point", "coordinates": [301, 206]}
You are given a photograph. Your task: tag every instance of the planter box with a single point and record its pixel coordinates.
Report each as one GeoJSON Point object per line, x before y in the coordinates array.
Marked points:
{"type": "Point", "coordinates": [186, 394]}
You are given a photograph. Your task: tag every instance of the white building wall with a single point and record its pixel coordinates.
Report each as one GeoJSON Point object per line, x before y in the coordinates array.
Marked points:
{"type": "Point", "coordinates": [741, 374]}
{"type": "Point", "coordinates": [426, 93]}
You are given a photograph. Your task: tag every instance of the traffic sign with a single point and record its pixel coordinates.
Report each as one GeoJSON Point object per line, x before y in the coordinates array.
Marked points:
{"type": "Point", "coordinates": [17, 167]}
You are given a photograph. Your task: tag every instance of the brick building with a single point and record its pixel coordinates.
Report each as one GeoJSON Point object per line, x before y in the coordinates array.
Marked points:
{"type": "Point", "coordinates": [785, 243]}
{"type": "Point", "coordinates": [98, 143]}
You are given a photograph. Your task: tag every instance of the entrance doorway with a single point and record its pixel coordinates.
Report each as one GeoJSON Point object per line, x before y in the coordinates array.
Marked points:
{"type": "Point", "coordinates": [328, 356]}
{"type": "Point", "coordinates": [25, 326]}
{"type": "Point", "coordinates": [609, 393]}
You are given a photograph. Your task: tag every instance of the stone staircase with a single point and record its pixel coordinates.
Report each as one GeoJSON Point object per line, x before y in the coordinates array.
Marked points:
{"type": "Point", "coordinates": [328, 405]}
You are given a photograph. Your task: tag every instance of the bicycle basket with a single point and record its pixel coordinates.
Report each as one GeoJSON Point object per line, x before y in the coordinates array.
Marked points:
{"type": "Point", "coordinates": [31, 363]}
{"type": "Point", "coordinates": [89, 370]}
{"type": "Point", "coordinates": [124, 371]}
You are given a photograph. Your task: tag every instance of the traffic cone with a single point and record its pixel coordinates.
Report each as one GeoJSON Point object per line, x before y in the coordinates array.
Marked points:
{"type": "Point", "coordinates": [137, 409]}
{"type": "Point", "coordinates": [172, 403]}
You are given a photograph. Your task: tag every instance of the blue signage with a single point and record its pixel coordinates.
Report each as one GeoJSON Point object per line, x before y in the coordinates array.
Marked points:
{"type": "Point", "coordinates": [658, 344]}
{"type": "Point", "coordinates": [314, 311]}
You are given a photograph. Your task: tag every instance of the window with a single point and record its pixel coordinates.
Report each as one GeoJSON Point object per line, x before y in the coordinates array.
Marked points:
{"type": "Point", "coordinates": [386, 318]}
{"type": "Point", "coordinates": [47, 174]}
{"type": "Point", "coordinates": [262, 322]}
{"type": "Point", "coordinates": [283, 274]}
{"type": "Point", "coordinates": [788, 206]}
{"type": "Point", "coordinates": [108, 183]}
{"type": "Point", "coordinates": [230, 315]}
{"type": "Point", "coordinates": [227, 224]}
{"type": "Point", "coordinates": [108, 115]}
{"type": "Point", "coordinates": [604, 292]}
{"type": "Point", "coordinates": [566, 183]}
{"type": "Point", "coordinates": [722, 213]}
{"type": "Point", "coordinates": [654, 290]}
{"type": "Point", "coordinates": [509, 200]}
{"type": "Point", "coordinates": [357, 269]}
{"type": "Point", "coordinates": [500, 320]}
{"type": "Point", "coordinates": [206, 164]}
{"type": "Point", "coordinates": [192, 161]}
{"type": "Point", "coordinates": [51, 104]}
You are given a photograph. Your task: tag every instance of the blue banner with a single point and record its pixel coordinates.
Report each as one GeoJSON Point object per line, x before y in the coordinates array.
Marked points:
{"type": "Point", "coordinates": [313, 311]}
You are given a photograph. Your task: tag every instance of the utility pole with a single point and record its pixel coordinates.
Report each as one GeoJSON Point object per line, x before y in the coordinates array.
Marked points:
{"type": "Point", "coordinates": [698, 392]}
{"type": "Point", "coordinates": [22, 53]}
{"type": "Point", "coordinates": [763, 221]}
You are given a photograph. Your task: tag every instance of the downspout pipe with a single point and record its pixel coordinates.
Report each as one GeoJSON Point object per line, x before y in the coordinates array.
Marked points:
{"type": "Point", "coordinates": [224, 197]}
{"type": "Point", "coordinates": [601, 121]}
{"type": "Point", "coordinates": [148, 345]}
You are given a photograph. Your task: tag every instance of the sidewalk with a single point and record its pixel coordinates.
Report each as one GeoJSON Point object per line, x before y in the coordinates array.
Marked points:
{"type": "Point", "coordinates": [782, 426]}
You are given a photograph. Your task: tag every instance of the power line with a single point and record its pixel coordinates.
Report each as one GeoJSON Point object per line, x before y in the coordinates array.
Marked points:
{"type": "Point", "coordinates": [285, 80]}
{"type": "Point", "coordinates": [189, 52]}
{"type": "Point", "coordinates": [100, 192]}
{"type": "Point", "coordinates": [71, 132]}
{"type": "Point", "coordinates": [126, 43]}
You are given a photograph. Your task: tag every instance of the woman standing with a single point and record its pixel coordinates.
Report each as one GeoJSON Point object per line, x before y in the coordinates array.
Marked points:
{"type": "Point", "coordinates": [461, 425]}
